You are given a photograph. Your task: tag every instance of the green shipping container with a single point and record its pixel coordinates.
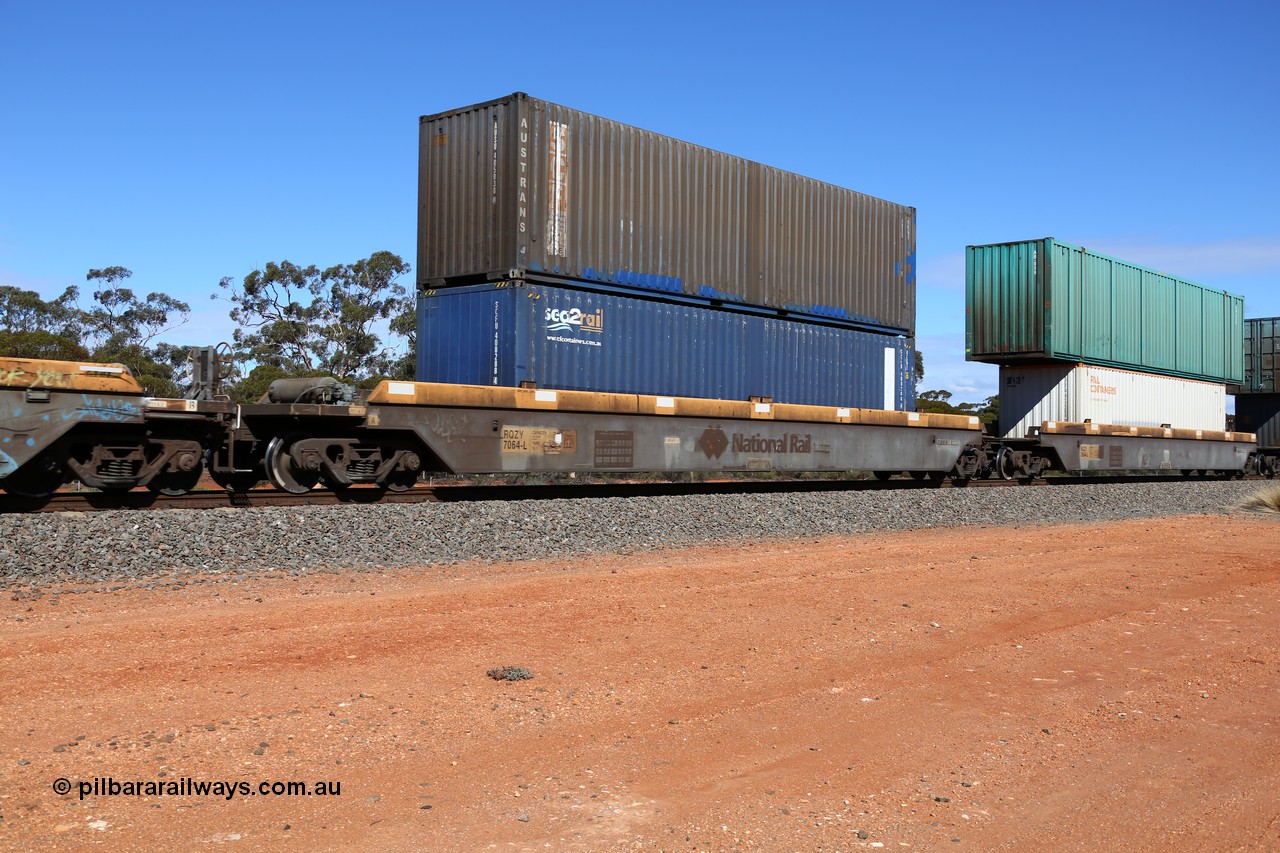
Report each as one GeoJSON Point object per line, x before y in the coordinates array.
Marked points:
{"type": "Point", "coordinates": [1041, 300]}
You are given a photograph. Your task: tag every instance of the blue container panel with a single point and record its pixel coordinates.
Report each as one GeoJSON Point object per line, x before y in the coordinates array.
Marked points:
{"type": "Point", "coordinates": [459, 341]}
{"type": "Point", "coordinates": [576, 340]}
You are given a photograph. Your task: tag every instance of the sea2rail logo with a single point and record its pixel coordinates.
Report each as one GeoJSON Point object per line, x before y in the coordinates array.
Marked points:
{"type": "Point", "coordinates": [575, 326]}
{"type": "Point", "coordinates": [574, 320]}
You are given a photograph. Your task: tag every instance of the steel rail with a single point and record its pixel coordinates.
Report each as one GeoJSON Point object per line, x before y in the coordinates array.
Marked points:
{"type": "Point", "coordinates": [139, 499]}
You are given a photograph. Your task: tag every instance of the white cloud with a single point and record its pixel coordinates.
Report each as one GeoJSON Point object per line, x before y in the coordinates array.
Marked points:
{"type": "Point", "coordinates": [1236, 256]}
{"type": "Point", "coordinates": [942, 271]}
{"type": "Point", "coordinates": [946, 370]}
{"type": "Point", "coordinates": [47, 286]}
{"type": "Point", "coordinates": [1239, 256]}
{"type": "Point", "coordinates": [208, 324]}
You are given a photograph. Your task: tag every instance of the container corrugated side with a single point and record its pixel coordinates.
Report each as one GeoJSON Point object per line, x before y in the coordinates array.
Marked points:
{"type": "Point", "coordinates": [1032, 394]}
{"type": "Point", "coordinates": [1041, 300]}
{"type": "Point", "coordinates": [522, 186]}
{"type": "Point", "coordinates": [1260, 413]}
{"type": "Point", "coordinates": [1261, 351]}
{"type": "Point", "coordinates": [581, 340]}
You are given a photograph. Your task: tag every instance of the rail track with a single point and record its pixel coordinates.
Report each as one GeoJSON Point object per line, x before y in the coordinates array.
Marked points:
{"type": "Point", "coordinates": [214, 498]}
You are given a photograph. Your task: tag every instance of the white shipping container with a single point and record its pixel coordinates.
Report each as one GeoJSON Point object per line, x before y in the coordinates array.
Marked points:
{"type": "Point", "coordinates": [1030, 395]}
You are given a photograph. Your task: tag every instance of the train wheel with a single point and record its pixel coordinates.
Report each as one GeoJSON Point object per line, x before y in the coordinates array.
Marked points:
{"type": "Point", "coordinates": [1005, 467]}
{"type": "Point", "coordinates": [884, 476]}
{"type": "Point", "coordinates": [1266, 466]}
{"type": "Point", "coordinates": [402, 481]}
{"type": "Point", "coordinates": [175, 482]}
{"type": "Point", "coordinates": [236, 481]}
{"type": "Point", "coordinates": [179, 482]}
{"type": "Point", "coordinates": [241, 480]}
{"type": "Point", "coordinates": [39, 478]}
{"type": "Point", "coordinates": [281, 469]}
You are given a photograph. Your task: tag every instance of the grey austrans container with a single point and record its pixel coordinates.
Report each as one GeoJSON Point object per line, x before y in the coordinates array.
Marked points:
{"type": "Point", "coordinates": [523, 188]}
{"type": "Point", "coordinates": [1044, 300]}
{"type": "Point", "coordinates": [1261, 351]}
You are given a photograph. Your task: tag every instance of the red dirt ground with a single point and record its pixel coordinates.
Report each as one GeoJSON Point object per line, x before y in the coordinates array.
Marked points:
{"type": "Point", "coordinates": [1101, 687]}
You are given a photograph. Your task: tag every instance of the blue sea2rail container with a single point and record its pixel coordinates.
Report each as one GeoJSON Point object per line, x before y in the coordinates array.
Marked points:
{"type": "Point", "coordinates": [508, 333]}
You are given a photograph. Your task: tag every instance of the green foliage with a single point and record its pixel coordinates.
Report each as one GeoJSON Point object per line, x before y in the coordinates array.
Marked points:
{"type": "Point", "coordinates": [404, 325]}
{"type": "Point", "coordinates": [158, 386]}
{"type": "Point", "coordinates": [154, 374]}
{"type": "Point", "coordinates": [24, 311]}
{"type": "Point", "coordinates": [120, 319]}
{"type": "Point", "coordinates": [41, 344]}
{"type": "Point", "coordinates": [295, 321]}
{"type": "Point", "coordinates": [939, 402]}
{"type": "Point", "coordinates": [251, 388]}
{"type": "Point", "coordinates": [402, 367]}
{"type": "Point", "coordinates": [176, 361]}
{"type": "Point", "coordinates": [936, 402]}
{"type": "Point", "coordinates": [303, 319]}
{"type": "Point", "coordinates": [988, 411]}
{"type": "Point", "coordinates": [120, 327]}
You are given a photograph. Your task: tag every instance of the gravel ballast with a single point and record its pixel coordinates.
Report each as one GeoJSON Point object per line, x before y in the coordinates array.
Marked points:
{"type": "Point", "coordinates": [125, 545]}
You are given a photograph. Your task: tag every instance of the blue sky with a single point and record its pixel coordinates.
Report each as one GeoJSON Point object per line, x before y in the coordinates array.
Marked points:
{"type": "Point", "coordinates": [191, 142]}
